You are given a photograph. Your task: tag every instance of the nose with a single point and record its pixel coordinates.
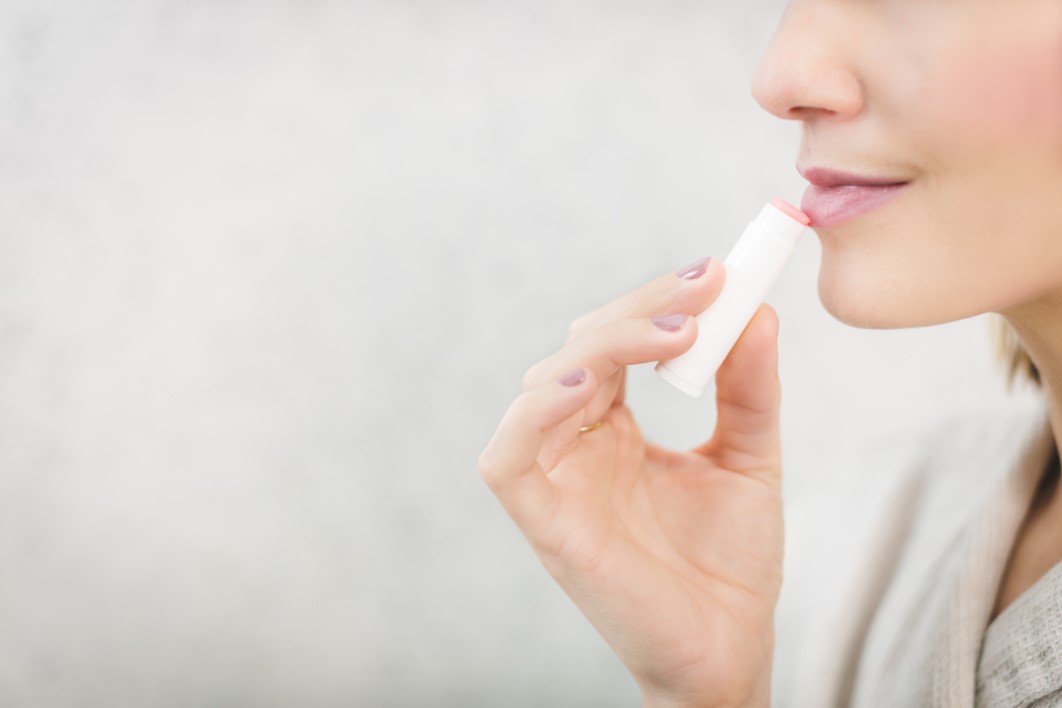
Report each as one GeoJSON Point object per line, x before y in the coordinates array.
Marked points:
{"type": "Point", "coordinates": [806, 73]}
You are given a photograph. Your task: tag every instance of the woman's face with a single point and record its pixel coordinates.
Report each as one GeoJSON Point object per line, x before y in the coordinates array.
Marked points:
{"type": "Point", "coordinates": [964, 99]}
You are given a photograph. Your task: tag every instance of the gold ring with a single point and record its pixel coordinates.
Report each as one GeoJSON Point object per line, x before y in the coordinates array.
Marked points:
{"type": "Point", "coordinates": [592, 426]}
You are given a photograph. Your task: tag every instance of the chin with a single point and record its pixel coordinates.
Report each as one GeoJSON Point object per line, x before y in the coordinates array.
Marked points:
{"type": "Point", "coordinates": [855, 311]}
{"type": "Point", "coordinates": [849, 292]}
{"type": "Point", "coordinates": [865, 283]}
{"type": "Point", "coordinates": [870, 302]}
{"type": "Point", "coordinates": [856, 301]}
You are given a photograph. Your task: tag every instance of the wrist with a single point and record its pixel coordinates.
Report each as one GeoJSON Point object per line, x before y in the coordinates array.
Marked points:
{"type": "Point", "coordinates": [760, 697]}
{"type": "Point", "coordinates": [663, 702]}
{"type": "Point", "coordinates": [659, 699]}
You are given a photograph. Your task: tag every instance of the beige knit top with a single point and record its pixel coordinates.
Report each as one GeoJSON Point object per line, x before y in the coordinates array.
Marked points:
{"type": "Point", "coordinates": [1021, 657]}
{"type": "Point", "coordinates": [890, 577]}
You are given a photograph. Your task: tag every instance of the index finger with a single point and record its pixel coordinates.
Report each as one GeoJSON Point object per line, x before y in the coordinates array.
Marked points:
{"type": "Point", "coordinates": [689, 290]}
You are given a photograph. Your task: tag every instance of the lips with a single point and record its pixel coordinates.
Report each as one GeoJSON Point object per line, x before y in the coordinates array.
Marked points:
{"type": "Point", "coordinates": [835, 197]}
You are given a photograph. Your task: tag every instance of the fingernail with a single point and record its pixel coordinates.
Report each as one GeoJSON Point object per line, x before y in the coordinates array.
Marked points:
{"type": "Point", "coordinates": [694, 270]}
{"type": "Point", "coordinates": [670, 323]}
{"type": "Point", "coordinates": [574, 378]}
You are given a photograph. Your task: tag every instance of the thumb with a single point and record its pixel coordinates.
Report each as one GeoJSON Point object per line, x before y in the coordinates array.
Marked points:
{"type": "Point", "coordinates": [748, 397]}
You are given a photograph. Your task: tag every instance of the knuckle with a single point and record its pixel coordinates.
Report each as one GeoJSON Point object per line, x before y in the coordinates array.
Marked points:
{"type": "Point", "coordinates": [539, 373]}
{"type": "Point", "coordinates": [488, 470]}
{"type": "Point", "coordinates": [531, 377]}
{"type": "Point", "coordinates": [577, 327]}
{"type": "Point", "coordinates": [519, 411]}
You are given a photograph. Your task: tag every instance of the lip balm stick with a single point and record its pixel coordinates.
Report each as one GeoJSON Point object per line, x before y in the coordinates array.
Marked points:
{"type": "Point", "coordinates": [751, 269]}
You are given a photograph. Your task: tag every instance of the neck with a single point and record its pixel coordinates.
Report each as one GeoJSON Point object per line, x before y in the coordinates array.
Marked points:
{"type": "Point", "coordinates": [1038, 546]}
{"type": "Point", "coordinates": [1039, 325]}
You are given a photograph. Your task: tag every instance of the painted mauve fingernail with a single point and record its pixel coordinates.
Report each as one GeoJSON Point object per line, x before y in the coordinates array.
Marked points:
{"type": "Point", "coordinates": [694, 270]}
{"type": "Point", "coordinates": [574, 378]}
{"type": "Point", "coordinates": [670, 323]}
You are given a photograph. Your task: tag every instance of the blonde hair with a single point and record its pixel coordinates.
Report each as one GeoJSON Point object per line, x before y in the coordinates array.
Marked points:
{"type": "Point", "coordinates": [1010, 352]}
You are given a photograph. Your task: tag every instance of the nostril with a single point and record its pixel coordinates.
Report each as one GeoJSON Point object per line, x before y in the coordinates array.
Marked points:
{"type": "Point", "coordinates": [806, 112]}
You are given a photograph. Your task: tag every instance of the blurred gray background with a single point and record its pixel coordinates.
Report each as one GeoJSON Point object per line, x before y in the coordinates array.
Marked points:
{"type": "Point", "coordinates": [270, 273]}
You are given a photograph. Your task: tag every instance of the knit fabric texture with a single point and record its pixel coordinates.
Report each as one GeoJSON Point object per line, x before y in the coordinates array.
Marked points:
{"type": "Point", "coordinates": [1021, 659]}
{"type": "Point", "coordinates": [891, 576]}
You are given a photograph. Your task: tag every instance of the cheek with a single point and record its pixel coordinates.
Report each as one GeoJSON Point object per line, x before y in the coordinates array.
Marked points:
{"type": "Point", "coordinates": [982, 110]}
{"type": "Point", "coordinates": [940, 256]}
{"type": "Point", "coordinates": [1002, 92]}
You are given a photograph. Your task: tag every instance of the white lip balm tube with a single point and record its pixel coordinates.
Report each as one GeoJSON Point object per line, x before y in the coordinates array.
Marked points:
{"type": "Point", "coordinates": [751, 269]}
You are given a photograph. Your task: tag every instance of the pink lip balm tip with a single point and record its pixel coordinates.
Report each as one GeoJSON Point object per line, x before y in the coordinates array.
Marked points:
{"type": "Point", "coordinates": [787, 208]}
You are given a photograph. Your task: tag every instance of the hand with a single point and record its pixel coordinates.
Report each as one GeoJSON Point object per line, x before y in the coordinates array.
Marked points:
{"type": "Point", "coordinates": [674, 557]}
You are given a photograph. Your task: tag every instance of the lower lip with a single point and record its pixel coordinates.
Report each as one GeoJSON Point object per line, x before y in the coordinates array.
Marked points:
{"type": "Point", "coordinates": [835, 205]}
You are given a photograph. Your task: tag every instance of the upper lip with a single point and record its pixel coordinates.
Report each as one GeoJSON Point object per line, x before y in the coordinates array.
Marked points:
{"type": "Point", "coordinates": [821, 177]}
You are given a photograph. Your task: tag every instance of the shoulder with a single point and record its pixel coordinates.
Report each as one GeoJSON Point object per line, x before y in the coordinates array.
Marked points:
{"type": "Point", "coordinates": [920, 485]}
{"type": "Point", "coordinates": [918, 466]}
{"type": "Point", "coordinates": [992, 430]}
{"type": "Point", "coordinates": [896, 501]}
{"type": "Point", "coordinates": [963, 456]}
{"type": "Point", "coordinates": [958, 455]}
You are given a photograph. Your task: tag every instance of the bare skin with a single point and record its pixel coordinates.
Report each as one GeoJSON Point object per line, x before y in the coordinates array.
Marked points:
{"type": "Point", "coordinates": [675, 557]}
{"type": "Point", "coordinates": [1038, 547]}
{"type": "Point", "coordinates": [1035, 550]}
{"type": "Point", "coordinates": [964, 100]}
